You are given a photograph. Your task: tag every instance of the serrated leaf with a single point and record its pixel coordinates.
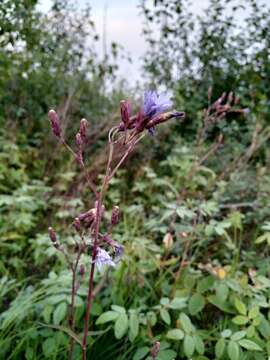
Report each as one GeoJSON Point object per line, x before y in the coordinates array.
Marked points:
{"type": "Point", "coordinates": [220, 347]}
{"type": "Point", "coordinates": [240, 320]}
{"type": "Point", "coordinates": [189, 345]}
{"type": "Point", "coordinates": [249, 345]}
{"type": "Point", "coordinates": [133, 326]}
{"type": "Point", "coordinates": [59, 313]}
{"type": "Point", "coordinates": [240, 306]}
{"type": "Point", "coordinates": [121, 326]}
{"type": "Point", "coordinates": [175, 334]}
{"type": "Point", "coordinates": [165, 316]}
{"type": "Point", "coordinates": [233, 350]}
{"type": "Point", "coordinates": [196, 303]}
{"type": "Point", "coordinates": [107, 317]}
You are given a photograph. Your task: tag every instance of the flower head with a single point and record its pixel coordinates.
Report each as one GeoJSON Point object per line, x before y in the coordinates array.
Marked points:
{"type": "Point", "coordinates": [103, 258]}
{"type": "Point", "coordinates": [154, 104]}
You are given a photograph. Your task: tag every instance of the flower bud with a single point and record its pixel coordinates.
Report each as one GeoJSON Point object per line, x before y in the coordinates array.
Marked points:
{"type": "Point", "coordinates": [82, 270]}
{"type": "Point", "coordinates": [168, 241]}
{"type": "Point", "coordinates": [52, 235]}
{"type": "Point", "coordinates": [55, 123]}
{"type": "Point", "coordinates": [125, 109]}
{"type": "Point", "coordinates": [155, 350]}
{"type": "Point", "coordinates": [115, 215]}
{"type": "Point", "coordinates": [77, 224]}
{"type": "Point", "coordinates": [79, 140]}
{"type": "Point", "coordinates": [83, 126]}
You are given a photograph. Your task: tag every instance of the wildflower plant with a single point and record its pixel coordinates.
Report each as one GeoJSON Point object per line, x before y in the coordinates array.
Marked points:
{"type": "Point", "coordinates": [103, 250]}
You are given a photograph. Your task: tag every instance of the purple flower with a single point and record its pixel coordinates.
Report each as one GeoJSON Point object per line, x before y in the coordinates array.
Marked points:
{"type": "Point", "coordinates": [119, 251]}
{"type": "Point", "coordinates": [103, 258]}
{"type": "Point", "coordinates": [154, 104]}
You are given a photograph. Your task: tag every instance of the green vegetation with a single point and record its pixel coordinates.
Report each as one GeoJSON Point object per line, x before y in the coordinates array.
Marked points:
{"type": "Point", "coordinates": [194, 199]}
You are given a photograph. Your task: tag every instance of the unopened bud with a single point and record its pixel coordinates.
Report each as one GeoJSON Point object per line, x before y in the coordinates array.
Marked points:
{"type": "Point", "coordinates": [79, 140]}
{"type": "Point", "coordinates": [125, 109]}
{"type": "Point", "coordinates": [77, 224]}
{"type": "Point", "coordinates": [184, 234]}
{"type": "Point", "coordinates": [155, 350]}
{"type": "Point", "coordinates": [83, 126]}
{"type": "Point", "coordinates": [52, 235]}
{"type": "Point", "coordinates": [115, 215]}
{"type": "Point", "coordinates": [82, 270]}
{"type": "Point", "coordinates": [168, 241]}
{"type": "Point", "coordinates": [55, 123]}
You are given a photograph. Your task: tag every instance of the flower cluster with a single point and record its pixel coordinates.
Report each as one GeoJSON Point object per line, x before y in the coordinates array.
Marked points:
{"type": "Point", "coordinates": [152, 113]}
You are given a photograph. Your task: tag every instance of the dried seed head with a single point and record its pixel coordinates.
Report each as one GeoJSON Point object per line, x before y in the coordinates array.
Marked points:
{"type": "Point", "coordinates": [55, 123]}
{"type": "Point", "coordinates": [83, 126]}
{"type": "Point", "coordinates": [115, 215]}
{"type": "Point", "coordinates": [52, 235]}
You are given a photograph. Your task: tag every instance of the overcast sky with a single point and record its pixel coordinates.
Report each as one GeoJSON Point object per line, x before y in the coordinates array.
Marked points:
{"type": "Point", "coordinates": [124, 26]}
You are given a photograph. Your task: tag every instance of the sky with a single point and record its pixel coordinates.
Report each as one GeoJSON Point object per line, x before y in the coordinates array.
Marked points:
{"type": "Point", "coordinates": [124, 26]}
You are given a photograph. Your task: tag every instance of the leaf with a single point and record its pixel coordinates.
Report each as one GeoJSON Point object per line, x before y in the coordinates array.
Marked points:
{"type": "Point", "coordinates": [175, 334]}
{"type": "Point", "coordinates": [240, 306]}
{"type": "Point", "coordinates": [46, 313]}
{"type": "Point", "coordinates": [222, 292]}
{"type": "Point", "coordinates": [133, 326]}
{"type": "Point", "coordinates": [59, 313]}
{"type": "Point", "coordinates": [106, 317]}
{"type": "Point", "coordinates": [178, 303]}
{"type": "Point", "coordinates": [141, 353]}
{"type": "Point", "coordinates": [226, 333]}
{"type": "Point", "coordinates": [49, 346]}
{"type": "Point", "coordinates": [220, 347]}
{"type": "Point", "coordinates": [196, 303]}
{"type": "Point", "coordinates": [189, 345]}
{"type": "Point", "coordinates": [199, 345]}
{"type": "Point", "coordinates": [240, 320]}
{"type": "Point", "coordinates": [165, 316]}
{"type": "Point", "coordinates": [233, 350]}
{"type": "Point", "coordinates": [166, 355]}
{"type": "Point", "coordinates": [238, 335]}
{"type": "Point", "coordinates": [249, 345]}
{"type": "Point", "coordinates": [253, 312]}
{"type": "Point", "coordinates": [121, 326]}
{"type": "Point", "coordinates": [186, 323]}
{"type": "Point", "coordinates": [118, 309]}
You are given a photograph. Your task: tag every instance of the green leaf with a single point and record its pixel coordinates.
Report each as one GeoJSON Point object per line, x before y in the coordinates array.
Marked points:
{"type": "Point", "coordinates": [118, 309]}
{"type": "Point", "coordinates": [186, 323]}
{"type": "Point", "coordinates": [141, 353]}
{"type": "Point", "coordinates": [106, 317]}
{"type": "Point", "coordinates": [165, 316]}
{"type": "Point", "coordinates": [121, 326]}
{"type": "Point", "coordinates": [249, 345]}
{"type": "Point", "coordinates": [175, 334]}
{"type": "Point", "coordinates": [49, 347]}
{"type": "Point", "coordinates": [166, 355]}
{"type": "Point", "coordinates": [238, 335]}
{"type": "Point", "coordinates": [164, 301]}
{"type": "Point", "coordinates": [205, 284]}
{"type": "Point", "coordinates": [241, 307]}
{"type": "Point", "coordinates": [196, 303]}
{"type": "Point", "coordinates": [226, 333]}
{"type": "Point", "coordinates": [189, 345]}
{"type": "Point", "coordinates": [220, 347]}
{"type": "Point", "coordinates": [133, 326]}
{"type": "Point", "coordinates": [199, 345]}
{"type": "Point", "coordinates": [253, 312]}
{"type": "Point", "coordinates": [46, 313]}
{"type": "Point", "coordinates": [222, 292]}
{"type": "Point", "coordinates": [233, 350]}
{"type": "Point", "coordinates": [178, 303]}
{"type": "Point", "coordinates": [59, 313]}
{"type": "Point", "coordinates": [240, 320]}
